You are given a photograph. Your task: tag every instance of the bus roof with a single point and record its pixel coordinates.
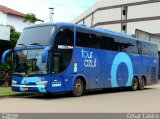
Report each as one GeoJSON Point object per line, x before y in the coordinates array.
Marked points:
{"type": "Point", "coordinates": [101, 30]}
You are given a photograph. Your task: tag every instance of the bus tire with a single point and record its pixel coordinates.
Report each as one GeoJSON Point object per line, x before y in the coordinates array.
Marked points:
{"type": "Point", "coordinates": [78, 87]}
{"type": "Point", "coordinates": [141, 83]}
{"type": "Point", "coordinates": [135, 83]}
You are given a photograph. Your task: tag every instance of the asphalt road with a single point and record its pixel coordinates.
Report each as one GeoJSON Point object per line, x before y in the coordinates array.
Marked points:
{"type": "Point", "coordinates": [111, 100]}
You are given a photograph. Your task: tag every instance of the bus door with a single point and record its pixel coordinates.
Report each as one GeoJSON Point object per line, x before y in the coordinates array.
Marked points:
{"type": "Point", "coordinates": [57, 83]}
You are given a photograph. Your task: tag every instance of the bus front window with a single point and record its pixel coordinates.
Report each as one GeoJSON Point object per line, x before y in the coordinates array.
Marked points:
{"type": "Point", "coordinates": [29, 62]}
{"type": "Point", "coordinates": [36, 35]}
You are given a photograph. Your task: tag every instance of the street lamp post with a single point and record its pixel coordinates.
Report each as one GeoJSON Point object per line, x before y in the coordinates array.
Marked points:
{"type": "Point", "coordinates": [51, 14]}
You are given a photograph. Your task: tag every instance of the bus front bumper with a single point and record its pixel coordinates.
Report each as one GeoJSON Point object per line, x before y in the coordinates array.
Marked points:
{"type": "Point", "coordinates": [29, 88]}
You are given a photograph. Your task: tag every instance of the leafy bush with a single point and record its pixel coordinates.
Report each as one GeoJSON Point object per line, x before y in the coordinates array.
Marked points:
{"type": "Point", "coordinates": [5, 73]}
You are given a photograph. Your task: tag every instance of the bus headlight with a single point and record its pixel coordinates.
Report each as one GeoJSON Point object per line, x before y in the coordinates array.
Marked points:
{"type": "Point", "coordinates": [41, 83]}
{"type": "Point", "coordinates": [14, 82]}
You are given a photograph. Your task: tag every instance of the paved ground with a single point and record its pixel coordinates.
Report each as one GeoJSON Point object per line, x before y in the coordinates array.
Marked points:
{"type": "Point", "coordinates": [116, 100]}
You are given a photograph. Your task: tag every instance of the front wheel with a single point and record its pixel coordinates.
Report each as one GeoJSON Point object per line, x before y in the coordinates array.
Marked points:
{"type": "Point", "coordinates": [135, 83]}
{"type": "Point", "coordinates": [78, 88]}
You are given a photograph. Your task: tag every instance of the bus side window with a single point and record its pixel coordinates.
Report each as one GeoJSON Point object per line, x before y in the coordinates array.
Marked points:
{"type": "Point", "coordinates": [85, 38]}
{"type": "Point", "coordinates": [65, 37]}
{"type": "Point", "coordinates": [129, 46]}
{"type": "Point", "coordinates": [148, 49]}
{"type": "Point", "coordinates": [126, 45]}
{"type": "Point", "coordinates": [108, 43]}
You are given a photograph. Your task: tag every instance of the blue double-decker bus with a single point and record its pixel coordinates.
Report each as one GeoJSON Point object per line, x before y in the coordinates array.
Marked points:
{"type": "Point", "coordinates": [64, 57]}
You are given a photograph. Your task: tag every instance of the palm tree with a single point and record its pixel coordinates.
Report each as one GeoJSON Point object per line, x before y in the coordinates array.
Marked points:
{"type": "Point", "coordinates": [30, 17]}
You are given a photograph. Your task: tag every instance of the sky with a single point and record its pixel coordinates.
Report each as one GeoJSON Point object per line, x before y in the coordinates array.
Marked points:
{"type": "Point", "coordinates": [65, 10]}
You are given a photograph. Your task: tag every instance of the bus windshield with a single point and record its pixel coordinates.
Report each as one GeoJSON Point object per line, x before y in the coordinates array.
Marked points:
{"type": "Point", "coordinates": [29, 62]}
{"type": "Point", "coordinates": [40, 35]}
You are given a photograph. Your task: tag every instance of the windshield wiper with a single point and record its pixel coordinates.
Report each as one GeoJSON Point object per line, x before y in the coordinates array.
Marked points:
{"type": "Point", "coordinates": [23, 45]}
{"type": "Point", "coordinates": [38, 44]}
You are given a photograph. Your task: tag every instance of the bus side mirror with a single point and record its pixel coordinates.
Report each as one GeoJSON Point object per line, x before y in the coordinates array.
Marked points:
{"type": "Point", "coordinates": [5, 54]}
{"type": "Point", "coordinates": [45, 53]}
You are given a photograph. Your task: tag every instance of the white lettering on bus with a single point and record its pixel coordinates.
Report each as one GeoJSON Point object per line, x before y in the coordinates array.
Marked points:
{"type": "Point", "coordinates": [89, 61]}
{"type": "Point", "coordinates": [87, 54]}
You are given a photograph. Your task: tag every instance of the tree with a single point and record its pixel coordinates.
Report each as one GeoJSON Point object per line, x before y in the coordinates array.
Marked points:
{"type": "Point", "coordinates": [30, 17]}
{"type": "Point", "coordinates": [14, 36]}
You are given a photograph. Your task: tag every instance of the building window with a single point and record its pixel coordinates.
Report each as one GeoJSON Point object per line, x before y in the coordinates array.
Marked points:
{"type": "Point", "coordinates": [124, 28]}
{"type": "Point", "coordinates": [124, 12]}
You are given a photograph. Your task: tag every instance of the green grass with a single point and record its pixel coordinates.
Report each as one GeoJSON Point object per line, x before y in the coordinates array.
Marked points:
{"type": "Point", "coordinates": [6, 91]}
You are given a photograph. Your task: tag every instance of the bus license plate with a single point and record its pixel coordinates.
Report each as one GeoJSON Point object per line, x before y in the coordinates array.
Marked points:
{"type": "Point", "coordinates": [26, 89]}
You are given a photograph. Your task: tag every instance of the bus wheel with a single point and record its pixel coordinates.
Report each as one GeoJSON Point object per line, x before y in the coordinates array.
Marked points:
{"type": "Point", "coordinates": [141, 83]}
{"type": "Point", "coordinates": [134, 84]}
{"type": "Point", "coordinates": [78, 87]}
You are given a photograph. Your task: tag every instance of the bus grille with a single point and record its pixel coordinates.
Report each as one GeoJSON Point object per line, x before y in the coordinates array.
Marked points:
{"type": "Point", "coordinates": [153, 74]}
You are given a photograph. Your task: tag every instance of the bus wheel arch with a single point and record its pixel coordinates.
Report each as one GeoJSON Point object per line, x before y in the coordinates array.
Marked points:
{"type": "Point", "coordinates": [136, 77]}
{"type": "Point", "coordinates": [83, 84]}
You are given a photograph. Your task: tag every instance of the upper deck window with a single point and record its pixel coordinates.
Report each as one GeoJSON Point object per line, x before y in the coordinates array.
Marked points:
{"type": "Point", "coordinates": [41, 35]}
{"type": "Point", "coordinates": [86, 38]}
{"type": "Point", "coordinates": [64, 38]}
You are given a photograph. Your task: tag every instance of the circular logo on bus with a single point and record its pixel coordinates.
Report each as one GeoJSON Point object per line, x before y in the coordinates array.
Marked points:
{"type": "Point", "coordinates": [121, 70]}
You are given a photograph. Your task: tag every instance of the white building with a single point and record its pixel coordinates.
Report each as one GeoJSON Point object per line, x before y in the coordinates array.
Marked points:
{"type": "Point", "coordinates": [123, 15]}
{"type": "Point", "coordinates": [12, 17]}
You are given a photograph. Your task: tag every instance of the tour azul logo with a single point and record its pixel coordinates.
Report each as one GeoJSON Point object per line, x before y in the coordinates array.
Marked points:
{"type": "Point", "coordinates": [89, 60]}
